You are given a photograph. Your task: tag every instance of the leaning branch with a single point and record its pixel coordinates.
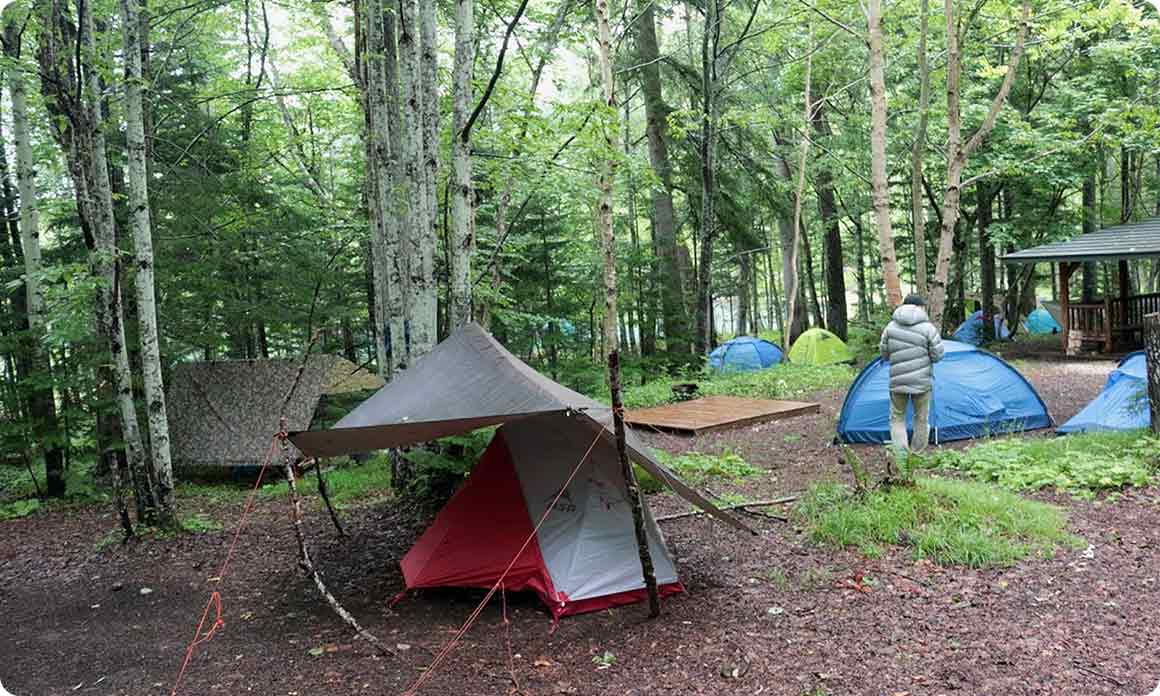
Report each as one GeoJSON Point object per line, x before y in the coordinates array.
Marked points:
{"type": "Point", "coordinates": [739, 506]}
{"type": "Point", "coordinates": [1008, 81]}
{"type": "Point", "coordinates": [465, 134]}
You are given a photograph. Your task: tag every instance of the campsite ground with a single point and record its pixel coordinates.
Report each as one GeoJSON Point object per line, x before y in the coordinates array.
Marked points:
{"type": "Point", "coordinates": [773, 614]}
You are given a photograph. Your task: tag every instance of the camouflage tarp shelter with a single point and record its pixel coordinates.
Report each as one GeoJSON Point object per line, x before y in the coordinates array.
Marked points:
{"type": "Point", "coordinates": [223, 414]}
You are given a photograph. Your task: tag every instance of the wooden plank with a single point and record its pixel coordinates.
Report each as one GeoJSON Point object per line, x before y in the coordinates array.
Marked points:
{"type": "Point", "coordinates": [715, 413]}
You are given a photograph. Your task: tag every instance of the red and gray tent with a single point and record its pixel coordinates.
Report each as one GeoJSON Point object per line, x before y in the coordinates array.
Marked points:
{"type": "Point", "coordinates": [584, 557]}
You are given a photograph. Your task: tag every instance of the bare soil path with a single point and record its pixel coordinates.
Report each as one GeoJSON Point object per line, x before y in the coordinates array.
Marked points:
{"type": "Point", "coordinates": [763, 615]}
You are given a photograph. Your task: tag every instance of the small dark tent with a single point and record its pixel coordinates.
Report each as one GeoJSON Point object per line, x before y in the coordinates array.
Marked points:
{"type": "Point", "coordinates": [584, 557]}
{"type": "Point", "coordinates": [223, 414]}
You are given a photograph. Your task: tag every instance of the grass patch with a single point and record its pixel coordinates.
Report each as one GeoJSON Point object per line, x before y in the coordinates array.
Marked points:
{"type": "Point", "coordinates": [1081, 465]}
{"type": "Point", "coordinates": [201, 523]}
{"type": "Point", "coordinates": [349, 483]}
{"type": "Point", "coordinates": [19, 508]}
{"type": "Point", "coordinates": [948, 521]}
{"type": "Point", "coordinates": [698, 469]}
{"type": "Point", "coordinates": [780, 382]}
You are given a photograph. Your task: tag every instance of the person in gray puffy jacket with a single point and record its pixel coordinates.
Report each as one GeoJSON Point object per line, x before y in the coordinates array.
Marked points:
{"type": "Point", "coordinates": [912, 345]}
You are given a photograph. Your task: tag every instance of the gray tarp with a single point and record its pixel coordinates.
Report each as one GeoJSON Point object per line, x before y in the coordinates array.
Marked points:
{"type": "Point", "coordinates": [470, 381]}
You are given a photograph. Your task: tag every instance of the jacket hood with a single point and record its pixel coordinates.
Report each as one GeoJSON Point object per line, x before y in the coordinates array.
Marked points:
{"type": "Point", "coordinates": [909, 315]}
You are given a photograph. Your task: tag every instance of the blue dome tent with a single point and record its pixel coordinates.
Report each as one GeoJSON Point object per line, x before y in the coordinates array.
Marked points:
{"type": "Point", "coordinates": [971, 330]}
{"type": "Point", "coordinates": [744, 354]}
{"type": "Point", "coordinates": [1123, 403]}
{"type": "Point", "coordinates": [1040, 322]}
{"type": "Point", "coordinates": [976, 394]}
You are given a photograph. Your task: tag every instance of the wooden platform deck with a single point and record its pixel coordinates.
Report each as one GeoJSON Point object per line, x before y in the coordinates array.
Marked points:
{"type": "Point", "coordinates": [714, 413]}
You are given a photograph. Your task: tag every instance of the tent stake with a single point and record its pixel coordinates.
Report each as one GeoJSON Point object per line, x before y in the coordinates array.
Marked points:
{"type": "Point", "coordinates": [633, 488]}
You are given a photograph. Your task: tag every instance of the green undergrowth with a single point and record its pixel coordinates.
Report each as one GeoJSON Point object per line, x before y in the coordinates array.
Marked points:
{"type": "Point", "coordinates": [1081, 465]}
{"type": "Point", "coordinates": [698, 469]}
{"type": "Point", "coordinates": [948, 521]}
{"type": "Point", "coordinates": [18, 491]}
{"type": "Point", "coordinates": [780, 382]}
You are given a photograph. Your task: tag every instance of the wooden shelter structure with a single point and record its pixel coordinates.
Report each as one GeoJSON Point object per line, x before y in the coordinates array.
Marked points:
{"type": "Point", "coordinates": [1110, 323]}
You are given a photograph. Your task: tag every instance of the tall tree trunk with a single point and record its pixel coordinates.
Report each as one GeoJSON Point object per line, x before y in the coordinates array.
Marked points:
{"type": "Point", "coordinates": [836, 319]}
{"type": "Point", "coordinates": [673, 315]}
{"type": "Point", "coordinates": [1090, 224]}
{"type": "Point", "coordinates": [811, 283]}
{"type": "Point", "coordinates": [462, 199]}
{"type": "Point", "coordinates": [878, 177]}
{"type": "Point", "coordinates": [607, 234]}
{"type": "Point", "coordinates": [411, 190]}
{"type": "Point", "coordinates": [917, 209]}
{"type": "Point", "coordinates": [708, 149]}
{"type": "Point", "coordinates": [90, 151]}
{"type": "Point", "coordinates": [793, 291]}
{"type": "Point", "coordinates": [983, 217]}
{"type": "Point", "coordinates": [422, 306]}
{"type": "Point", "coordinates": [958, 151]}
{"type": "Point", "coordinates": [743, 299]}
{"type": "Point", "coordinates": [143, 243]}
{"type": "Point", "coordinates": [42, 404]}
{"type": "Point", "coordinates": [865, 301]}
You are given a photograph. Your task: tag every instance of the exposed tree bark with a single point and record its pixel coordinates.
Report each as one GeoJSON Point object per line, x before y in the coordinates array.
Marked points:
{"type": "Point", "coordinates": [380, 174]}
{"type": "Point", "coordinates": [878, 177]}
{"type": "Point", "coordinates": [793, 291]}
{"type": "Point", "coordinates": [836, 319]}
{"type": "Point", "coordinates": [983, 218]}
{"type": "Point", "coordinates": [673, 316]}
{"type": "Point", "coordinates": [1090, 224]}
{"type": "Point", "coordinates": [958, 151]}
{"type": "Point", "coordinates": [708, 149]}
{"type": "Point", "coordinates": [91, 177]}
{"type": "Point", "coordinates": [917, 209]}
{"type": "Point", "coordinates": [608, 237]}
{"type": "Point", "coordinates": [743, 299]}
{"type": "Point", "coordinates": [1152, 358]}
{"type": "Point", "coordinates": [143, 242]}
{"type": "Point", "coordinates": [462, 198]}
{"type": "Point", "coordinates": [422, 305]}
{"type": "Point", "coordinates": [42, 404]}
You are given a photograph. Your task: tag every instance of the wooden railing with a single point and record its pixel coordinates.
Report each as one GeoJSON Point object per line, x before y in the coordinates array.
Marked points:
{"type": "Point", "coordinates": [1113, 322]}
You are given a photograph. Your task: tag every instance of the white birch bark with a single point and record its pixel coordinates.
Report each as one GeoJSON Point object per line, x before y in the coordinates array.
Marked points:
{"type": "Point", "coordinates": [410, 189]}
{"type": "Point", "coordinates": [29, 203]}
{"type": "Point", "coordinates": [958, 152]}
{"type": "Point", "coordinates": [792, 293]}
{"type": "Point", "coordinates": [384, 238]}
{"type": "Point", "coordinates": [878, 180]}
{"type": "Point", "coordinates": [397, 206]}
{"type": "Point", "coordinates": [105, 262]}
{"type": "Point", "coordinates": [139, 220]}
{"type": "Point", "coordinates": [424, 303]}
{"type": "Point", "coordinates": [462, 205]}
{"type": "Point", "coordinates": [917, 208]}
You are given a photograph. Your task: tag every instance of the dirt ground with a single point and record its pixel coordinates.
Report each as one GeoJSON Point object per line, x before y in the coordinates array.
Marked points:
{"type": "Point", "coordinates": [770, 614]}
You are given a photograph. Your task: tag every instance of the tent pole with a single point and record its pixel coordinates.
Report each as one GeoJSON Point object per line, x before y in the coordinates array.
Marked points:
{"type": "Point", "coordinates": [632, 488]}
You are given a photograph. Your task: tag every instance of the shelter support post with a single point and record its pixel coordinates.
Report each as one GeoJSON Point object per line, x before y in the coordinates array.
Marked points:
{"type": "Point", "coordinates": [632, 488]}
{"type": "Point", "coordinates": [1152, 358]}
{"type": "Point", "coordinates": [1065, 271]}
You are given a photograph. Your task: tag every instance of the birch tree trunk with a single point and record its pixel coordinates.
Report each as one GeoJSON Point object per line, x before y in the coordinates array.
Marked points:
{"type": "Point", "coordinates": [917, 208]}
{"type": "Point", "coordinates": [878, 177]}
{"type": "Point", "coordinates": [379, 174]}
{"type": "Point", "coordinates": [410, 191]}
{"type": "Point", "coordinates": [90, 151]}
{"type": "Point", "coordinates": [42, 404]}
{"type": "Point", "coordinates": [397, 212]}
{"type": "Point", "coordinates": [462, 236]}
{"type": "Point", "coordinates": [424, 298]}
{"type": "Point", "coordinates": [792, 293]}
{"type": "Point", "coordinates": [143, 243]}
{"type": "Point", "coordinates": [958, 152]}
{"type": "Point", "coordinates": [608, 238]}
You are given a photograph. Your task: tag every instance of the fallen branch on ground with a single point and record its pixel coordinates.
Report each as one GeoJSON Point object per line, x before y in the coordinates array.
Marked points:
{"type": "Point", "coordinates": [308, 565]}
{"type": "Point", "coordinates": [738, 506]}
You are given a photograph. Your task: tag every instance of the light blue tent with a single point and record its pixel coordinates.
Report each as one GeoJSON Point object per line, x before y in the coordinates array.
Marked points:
{"type": "Point", "coordinates": [744, 354]}
{"type": "Point", "coordinates": [1123, 403]}
{"type": "Point", "coordinates": [1040, 322]}
{"type": "Point", "coordinates": [976, 394]}
{"type": "Point", "coordinates": [971, 330]}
